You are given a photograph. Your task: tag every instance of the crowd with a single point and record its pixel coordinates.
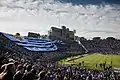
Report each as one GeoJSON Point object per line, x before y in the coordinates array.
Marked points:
{"type": "Point", "coordinates": [15, 65]}
{"type": "Point", "coordinates": [12, 67]}
{"type": "Point", "coordinates": [102, 46]}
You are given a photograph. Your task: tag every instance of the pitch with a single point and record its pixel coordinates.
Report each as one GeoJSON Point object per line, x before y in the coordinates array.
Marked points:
{"type": "Point", "coordinates": [93, 61]}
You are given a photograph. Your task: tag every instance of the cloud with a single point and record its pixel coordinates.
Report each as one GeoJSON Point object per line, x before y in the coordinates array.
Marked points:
{"type": "Point", "coordinates": [35, 15]}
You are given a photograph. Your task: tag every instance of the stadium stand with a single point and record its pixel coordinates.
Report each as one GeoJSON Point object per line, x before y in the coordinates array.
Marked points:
{"type": "Point", "coordinates": [19, 63]}
{"type": "Point", "coordinates": [103, 46]}
{"type": "Point", "coordinates": [15, 68]}
{"type": "Point", "coordinates": [33, 44]}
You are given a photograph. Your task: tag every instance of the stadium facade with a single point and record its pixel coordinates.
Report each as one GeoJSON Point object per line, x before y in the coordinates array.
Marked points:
{"type": "Point", "coordinates": [61, 34]}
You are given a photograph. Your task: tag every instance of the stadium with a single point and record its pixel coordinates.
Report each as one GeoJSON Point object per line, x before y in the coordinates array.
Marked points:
{"type": "Point", "coordinates": [59, 40]}
{"type": "Point", "coordinates": [75, 59]}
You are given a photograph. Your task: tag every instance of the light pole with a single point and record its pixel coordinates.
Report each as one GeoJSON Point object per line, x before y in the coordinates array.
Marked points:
{"type": "Point", "coordinates": [58, 13]}
{"type": "Point", "coordinates": [59, 19]}
{"type": "Point", "coordinates": [59, 16]}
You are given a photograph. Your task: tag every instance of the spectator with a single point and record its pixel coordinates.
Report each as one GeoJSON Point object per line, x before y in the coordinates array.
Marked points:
{"type": "Point", "coordinates": [19, 73]}
{"type": "Point", "coordinates": [8, 73]}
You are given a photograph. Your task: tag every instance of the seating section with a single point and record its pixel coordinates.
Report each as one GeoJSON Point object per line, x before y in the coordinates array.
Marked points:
{"type": "Point", "coordinates": [33, 44]}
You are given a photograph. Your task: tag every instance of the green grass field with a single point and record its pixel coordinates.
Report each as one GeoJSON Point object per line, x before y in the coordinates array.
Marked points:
{"type": "Point", "coordinates": [91, 60]}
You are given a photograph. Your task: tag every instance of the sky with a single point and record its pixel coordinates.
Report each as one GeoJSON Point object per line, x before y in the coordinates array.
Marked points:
{"type": "Point", "coordinates": [90, 18]}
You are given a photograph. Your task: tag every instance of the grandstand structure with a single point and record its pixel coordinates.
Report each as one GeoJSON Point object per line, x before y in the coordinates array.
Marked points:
{"type": "Point", "coordinates": [61, 34]}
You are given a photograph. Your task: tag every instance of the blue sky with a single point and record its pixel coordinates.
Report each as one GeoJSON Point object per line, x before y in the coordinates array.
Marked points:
{"type": "Point", "coordinates": [89, 17]}
{"type": "Point", "coordinates": [92, 2]}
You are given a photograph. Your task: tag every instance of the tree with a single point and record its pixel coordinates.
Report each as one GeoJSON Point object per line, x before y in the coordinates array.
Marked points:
{"type": "Point", "coordinates": [96, 38]}
{"type": "Point", "coordinates": [82, 39]}
{"type": "Point", "coordinates": [110, 38]}
{"type": "Point", "coordinates": [17, 34]}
